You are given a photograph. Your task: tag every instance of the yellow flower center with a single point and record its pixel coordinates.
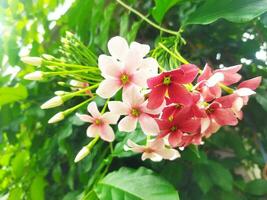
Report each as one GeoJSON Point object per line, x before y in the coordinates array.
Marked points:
{"type": "Point", "coordinates": [124, 79]}
{"type": "Point", "coordinates": [135, 112]}
{"type": "Point", "coordinates": [167, 80]}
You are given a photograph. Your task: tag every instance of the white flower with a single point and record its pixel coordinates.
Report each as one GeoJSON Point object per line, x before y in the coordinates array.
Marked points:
{"type": "Point", "coordinates": [155, 150]}
{"type": "Point", "coordinates": [100, 123]}
{"type": "Point", "coordinates": [53, 102]}
{"type": "Point", "coordinates": [125, 67]}
{"type": "Point", "coordinates": [36, 61]}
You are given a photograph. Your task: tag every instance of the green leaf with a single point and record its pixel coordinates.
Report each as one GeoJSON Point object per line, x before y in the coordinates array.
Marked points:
{"type": "Point", "coordinates": [257, 187]}
{"type": "Point", "coordinates": [12, 94]}
{"type": "Point", "coordinates": [232, 10]}
{"type": "Point", "coordinates": [161, 8]}
{"type": "Point", "coordinates": [202, 178]}
{"type": "Point", "coordinates": [220, 176]}
{"type": "Point", "coordinates": [37, 188]}
{"type": "Point", "coordinates": [15, 194]}
{"type": "Point", "coordinates": [131, 184]}
{"type": "Point", "coordinates": [19, 163]}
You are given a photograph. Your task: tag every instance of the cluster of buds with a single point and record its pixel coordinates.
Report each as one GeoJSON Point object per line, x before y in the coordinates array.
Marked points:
{"type": "Point", "coordinates": [174, 108]}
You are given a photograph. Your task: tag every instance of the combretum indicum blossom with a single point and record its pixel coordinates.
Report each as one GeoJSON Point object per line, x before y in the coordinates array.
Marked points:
{"type": "Point", "coordinates": [179, 107]}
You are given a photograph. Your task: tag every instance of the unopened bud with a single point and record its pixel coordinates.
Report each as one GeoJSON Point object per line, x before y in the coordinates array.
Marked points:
{"type": "Point", "coordinates": [51, 103]}
{"type": "Point", "coordinates": [36, 61]}
{"type": "Point", "coordinates": [56, 118]}
{"type": "Point", "coordinates": [60, 92]}
{"type": "Point", "coordinates": [48, 57]}
{"type": "Point", "coordinates": [34, 76]}
{"type": "Point", "coordinates": [82, 154]}
{"type": "Point", "coordinates": [76, 83]}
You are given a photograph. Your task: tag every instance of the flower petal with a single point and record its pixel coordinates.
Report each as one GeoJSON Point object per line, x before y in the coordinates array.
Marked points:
{"type": "Point", "coordinates": [110, 118]}
{"type": "Point", "coordinates": [214, 79]}
{"type": "Point", "coordinates": [142, 49]}
{"type": "Point", "coordinates": [132, 96]}
{"type": "Point", "coordinates": [251, 83]}
{"type": "Point", "coordinates": [169, 154]}
{"type": "Point", "coordinates": [224, 117]}
{"type": "Point", "coordinates": [133, 147]}
{"type": "Point", "coordinates": [152, 156]}
{"type": "Point", "coordinates": [118, 47]}
{"type": "Point", "coordinates": [151, 65]}
{"type": "Point", "coordinates": [242, 92]}
{"type": "Point", "coordinates": [132, 61]}
{"type": "Point", "coordinates": [118, 107]}
{"type": "Point", "coordinates": [205, 123]}
{"type": "Point", "coordinates": [93, 110]}
{"type": "Point", "coordinates": [179, 94]}
{"type": "Point", "coordinates": [156, 97]}
{"type": "Point", "coordinates": [109, 66]}
{"type": "Point", "coordinates": [206, 73]}
{"type": "Point", "coordinates": [93, 130]}
{"type": "Point", "coordinates": [107, 133]}
{"type": "Point", "coordinates": [140, 77]}
{"type": "Point", "coordinates": [149, 125]}
{"type": "Point", "coordinates": [85, 118]}
{"type": "Point", "coordinates": [127, 124]}
{"type": "Point", "coordinates": [108, 88]}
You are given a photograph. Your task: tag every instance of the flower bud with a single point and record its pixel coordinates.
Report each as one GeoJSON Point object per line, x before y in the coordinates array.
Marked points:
{"type": "Point", "coordinates": [54, 102]}
{"type": "Point", "coordinates": [76, 83]}
{"type": "Point", "coordinates": [56, 118]}
{"type": "Point", "coordinates": [36, 61]}
{"type": "Point", "coordinates": [82, 154]}
{"type": "Point", "coordinates": [34, 76]}
{"type": "Point", "coordinates": [48, 57]}
{"type": "Point", "coordinates": [60, 92]}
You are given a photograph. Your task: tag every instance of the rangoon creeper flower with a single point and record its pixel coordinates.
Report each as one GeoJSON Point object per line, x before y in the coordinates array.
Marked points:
{"type": "Point", "coordinates": [154, 150]}
{"type": "Point", "coordinates": [135, 108]}
{"type": "Point", "coordinates": [100, 123]}
{"type": "Point", "coordinates": [36, 61]}
{"type": "Point", "coordinates": [171, 83]}
{"type": "Point", "coordinates": [125, 67]}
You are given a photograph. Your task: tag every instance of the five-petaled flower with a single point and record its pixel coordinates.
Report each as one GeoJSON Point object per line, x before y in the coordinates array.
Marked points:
{"type": "Point", "coordinates": [135, 108]}
{"type": "Point", "coordinates": [100, 124]}
{"type": "Point", "coordinates": [154, 150]}
{"type": "Point", "coordinates": [125, 67]}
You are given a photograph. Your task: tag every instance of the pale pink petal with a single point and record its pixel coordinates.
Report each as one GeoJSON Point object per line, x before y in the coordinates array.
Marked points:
{"type": "Point", "coordinates": [142, 49]}
{"type": "Point", "coordinates": [132, 96]}
{"type": "Point", "coordinates": [148, 125]}
{"type": "Point", "coordinates": [242, 92]}
{"type": "Point", "coordinates": [156, 111]}
{"type": "Point", "coordinates": [214, 127]}
{"type": "Point", "coordinates": [110, 118]}
{"type": "Point", "coordinates": [109, 66]}
{"type": "Point", "coordinates": [132, 61]}
{"type": "Point", "coordinates": [205, 123]}
{"type": "Point", "coordinates": [214, 79]}
{"type": "Point", "coordinates": [107, 133]}
{"type": "Point", "coordinates": [156, 144]}
{"type": "Point", "coordinates": [152, 156]}
{"type": "Point", "coordinates": [232, 69]}
{"type": "Point", "coordinates": [169, 154]}
{"type": "Point", "coordinates": [93, 130]}
{"type": "Point", "coordinates": [140, 78]}
{"type": "Point", "coordinates": [85, 118]}
{"type": "Point", "coordinates": [118, 107]}
{"type": "Point", "coordinates": [238, 104]}
{"type": "Point", "coordinates": [108, 88]}
{"type": "Point", "coordinates": [118, 47]}
{"type": "Point", "coordinates": [151, 64]}
{"type": "Point", "coordinates": [93, 110]}
{"type": "Point", "coordinates": [127, 124]}
{"type": "Point", "coordinates": [133, 147]}
{"type": "Point", "coordinates": [206, 73]}
{"type": "Point", "coordinates": [224, 117]}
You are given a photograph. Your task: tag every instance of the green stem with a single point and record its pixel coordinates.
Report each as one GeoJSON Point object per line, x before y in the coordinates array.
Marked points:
{"type": "Point", "coordinates": [70, 110]}
{"type": "Point", "coordinates": [177, 55]}
{"type": "Point", "coordinates": [146, 19]}
{"type": "Point", "coordinates": [70, 65]}
{"type": "Point", "coordinates": [70, 95]}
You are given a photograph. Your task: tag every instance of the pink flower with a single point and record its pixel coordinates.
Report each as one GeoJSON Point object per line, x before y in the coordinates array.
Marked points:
{"type": "Point", "coordinates": [135, 108]}
{"type": "Point", "coordinates": [208, 83]}
{"type": "Point", "coordinates": [219, 113]}
{"type": "Point", "coordinates": [125, 67]}
{"type": "Point", "coordinates": [100, 123]}
{"type": "Point", "coordinates": [171, 83]}
{"type": "Point", "coordinates": [177, 126]}
{"type": "Point", "coordinates": [155, 150]}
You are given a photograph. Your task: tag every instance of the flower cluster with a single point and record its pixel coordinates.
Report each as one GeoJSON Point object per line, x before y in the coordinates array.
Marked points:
{"type": "Point", "coordinates": [174, 108]}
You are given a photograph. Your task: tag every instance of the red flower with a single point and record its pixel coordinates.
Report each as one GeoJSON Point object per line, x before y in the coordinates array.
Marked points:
{"type": "Point", "coordinates": [177, 126]}
{"type": "Point", "coordinates": [171, 83]}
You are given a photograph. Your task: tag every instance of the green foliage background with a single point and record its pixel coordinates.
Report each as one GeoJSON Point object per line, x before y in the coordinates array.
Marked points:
{"type": "Point", "coordinates": [36, 159]}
